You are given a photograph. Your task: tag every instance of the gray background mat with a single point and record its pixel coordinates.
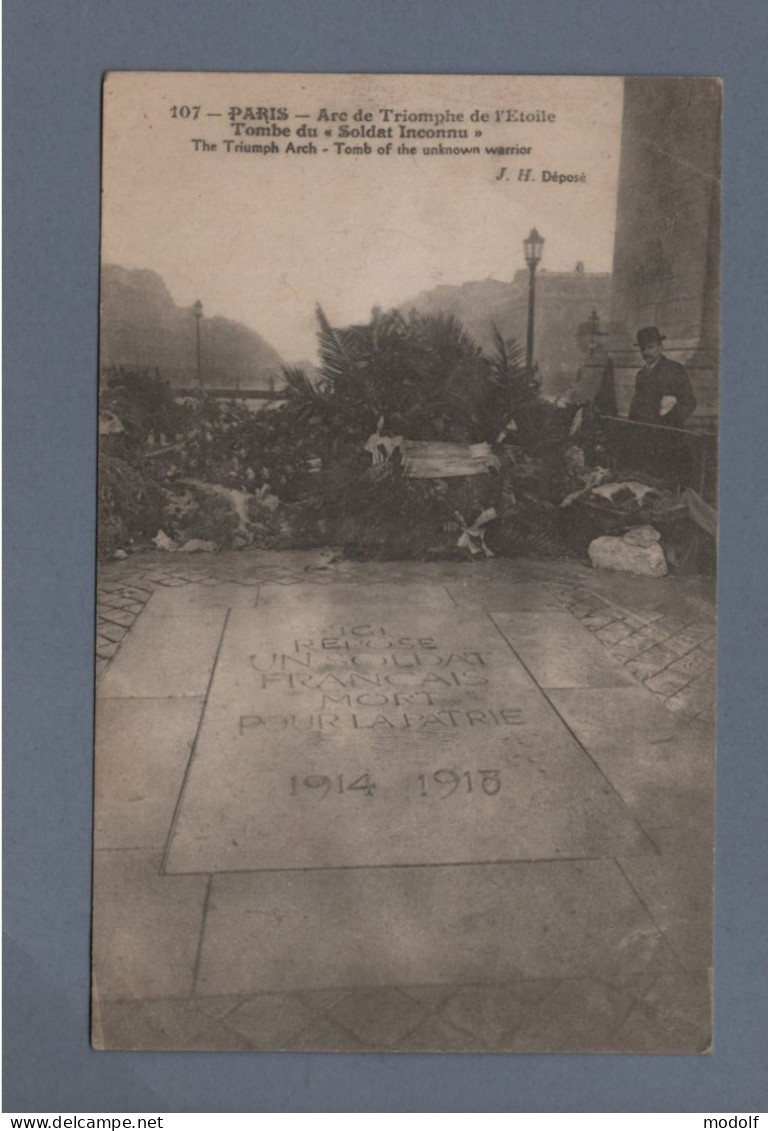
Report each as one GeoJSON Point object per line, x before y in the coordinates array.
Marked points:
{"type": "Point", "coordinates": [56, 53]}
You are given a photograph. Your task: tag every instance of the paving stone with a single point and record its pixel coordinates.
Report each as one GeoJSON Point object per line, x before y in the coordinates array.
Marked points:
{"type": "Point", "coordinates": [558, 652]}
{"type": "Point", "coordinates": [613, 633]}
{"type": "Point", "coordinates": [194, 599]}
{"type": "Point", "coordinates": [675, 1016]}
{"type": "Point", "coordinates": [637, 643]}
{"type": "Point", "coordinates": [165, 656]}
{"type": "Point", "coordinates": [432, 997]}
{"type": "Point", "coordinates": [489, 1012]}
{"type": "Point", "coordinates": [707, 681]}
{"type": "Point", "coordinates": [590, 597]}
{"type": "Point", "coordinates": [217, 1007]}
{"type": "Point", "coordinates": [435, 1034]}
{"type": "Point", "coordinates": [142, 750]}
{"type": "Point", "coordinates": [105, 649]}
{"type": "Point", "coordinates": [120, 616]}
{"type": "Point", "coordinates": [697, 696]}
{"type": "Point", "coordinates": [134, 607]}
{"type": "Point", "coordinates": [113, 633]}
{"type": "Point", "coordinates": [101, 665]}
{"type": "Point", "coordinates": [162, 1025]}
{"type": "Point", "coordinates": [695, 835]}
{"type": "Point", "coordinates": [660, 655]}
{"type": "Point", "coordinates": [677, 646]}
{"type": "Point", "coordinates": [677, 890]}
{"type": "Point", "coordinates": [662, 769]}
{"type": "Point", "coordinates": [320, 1001]}
{"type": "Point", "coordinates": [645, 669]}
{"type": "Point", "coordinates": [136, 595]}
{"type": "Point", "coordinates": [637, 620]}
{"type": "Point", "coordinates": [694, 664]}
{"type": "Point", "coordinates": [579, 1016]}
{"type": "Point", "coordinates": [115, 601]}
{"type": "Point", "coordinates": [378, 1017]}
{"type": "Point", "coordinates": [697, 634]}
{"type": "Point", "coordinates": [583, 609]}
{"type": "Point", "coordinates": [564, 593]}
{"type": "Point", "coordinates": [667, 682]}
{"type": "Point", "coordinates": [600, 620]}
{"type": "Point", "coordinates": [270, 1021]}
{"type": "Point", "coordinates": [146, 926]}
{"type": "Point", "coordinates": [673, 625]}
{"type": "Point", "coordinates": [502, 594]}
{"type": "Point", "coordinates": [271, 932]}
{"type": "Point", "coordinates": [325, 1035]}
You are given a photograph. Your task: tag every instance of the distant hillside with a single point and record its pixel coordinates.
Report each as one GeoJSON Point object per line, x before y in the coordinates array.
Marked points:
{"type": "Point", "coordinates": [142, 327]}
{"type": "Point", "coordinates": [563, 300]}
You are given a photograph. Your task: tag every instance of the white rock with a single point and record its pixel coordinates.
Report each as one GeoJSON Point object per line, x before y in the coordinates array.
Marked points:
{"type": "Point", "coordinates": [642, 536]}
{"type": "Point", "coordinates": [238, 500]}
{"type": "Point", "coordinates": [617, 554]}
{"type": "Point", "coordinates": [119, 555]}
{"type": "Point", "coordinates": [163, 542]}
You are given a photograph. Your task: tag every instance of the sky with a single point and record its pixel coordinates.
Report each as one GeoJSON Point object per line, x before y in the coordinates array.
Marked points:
{"type": "Point", "coordinates": [263, 238]}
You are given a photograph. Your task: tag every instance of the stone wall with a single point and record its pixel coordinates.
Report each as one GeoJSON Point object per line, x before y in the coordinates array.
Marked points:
{"type": "Point", "coordinates": [666, 258]}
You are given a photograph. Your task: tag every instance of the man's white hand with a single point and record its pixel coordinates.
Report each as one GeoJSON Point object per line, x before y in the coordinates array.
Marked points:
{"type": "Point", "coordinates": [667, 404]}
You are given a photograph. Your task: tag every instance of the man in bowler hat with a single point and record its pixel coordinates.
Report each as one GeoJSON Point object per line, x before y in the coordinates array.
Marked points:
{"type": "Point", "coordinates": [664, 398]}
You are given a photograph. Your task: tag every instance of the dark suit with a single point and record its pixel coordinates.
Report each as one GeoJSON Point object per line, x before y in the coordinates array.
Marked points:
{"type": "Point", "coordinates": [666, 379]}
{"type": "Point", "coordinates": [660, 453]}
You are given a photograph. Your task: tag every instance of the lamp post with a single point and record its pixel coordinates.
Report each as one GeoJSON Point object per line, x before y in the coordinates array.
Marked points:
{"type": "Point", "coordinates": [198, 309]}
{"type": "Point", "coordinates": [532, 248]}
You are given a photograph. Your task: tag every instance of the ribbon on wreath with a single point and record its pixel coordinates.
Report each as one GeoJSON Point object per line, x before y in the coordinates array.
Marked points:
{"type": "Point", "coordinates": [472, 537]}
{"type": "Point", "coordinates": [381, 447]}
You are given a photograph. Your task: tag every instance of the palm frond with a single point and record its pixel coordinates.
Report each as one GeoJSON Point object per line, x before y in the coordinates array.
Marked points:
{"type": "Point", "coordinates": [300, 388]}
{"type": "Point", "coordinates": [444, 335]}
{"type": "Point", "coordinates": [507, 358]}
{"type": "Point", "coordinates": [339, 359]}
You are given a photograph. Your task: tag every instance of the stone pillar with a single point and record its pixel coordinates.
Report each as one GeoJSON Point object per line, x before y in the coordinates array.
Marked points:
{"type": "Point", "coordinates": [666, 258]}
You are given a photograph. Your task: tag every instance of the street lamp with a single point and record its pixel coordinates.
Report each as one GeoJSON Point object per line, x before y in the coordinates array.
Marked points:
{"type": "Point", "coordinates": [198, 309]}
{"type": "Point", "coordinates": [532, 248]}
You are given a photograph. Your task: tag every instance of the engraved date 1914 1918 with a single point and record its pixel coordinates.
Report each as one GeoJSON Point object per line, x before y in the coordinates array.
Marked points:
{"type": "Point", "coordinates": [440, 784]}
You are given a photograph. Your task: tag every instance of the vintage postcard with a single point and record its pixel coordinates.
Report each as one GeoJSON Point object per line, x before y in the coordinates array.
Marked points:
{"type": "Point", "coordinates": [407, 540]}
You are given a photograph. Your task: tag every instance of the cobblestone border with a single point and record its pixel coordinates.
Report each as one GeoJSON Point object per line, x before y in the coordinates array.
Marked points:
{"type": "Point", "coordinates": [117, 606]}
{"type": "Point", "coordinates": [636, 1013]}
{"type": "Point", "coordinates": [674, 658]}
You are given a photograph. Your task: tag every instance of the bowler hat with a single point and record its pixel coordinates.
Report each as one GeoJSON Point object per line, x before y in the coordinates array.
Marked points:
{"type": "Point", "coordinates": [649, 334]}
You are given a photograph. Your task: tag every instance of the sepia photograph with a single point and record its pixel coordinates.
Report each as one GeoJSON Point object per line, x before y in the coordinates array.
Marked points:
{"type": "Point", "coordinates": [406, 631]}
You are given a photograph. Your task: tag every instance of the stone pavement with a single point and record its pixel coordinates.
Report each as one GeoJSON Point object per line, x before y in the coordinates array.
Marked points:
{"type": "Point", "coordinates": [589, 931]}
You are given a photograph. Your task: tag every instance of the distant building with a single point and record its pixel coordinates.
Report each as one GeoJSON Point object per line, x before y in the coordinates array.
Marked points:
{"type": "Point", "coordinates": [564, 300]}
{"type": "Point", "coordinates": [666, 258]}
